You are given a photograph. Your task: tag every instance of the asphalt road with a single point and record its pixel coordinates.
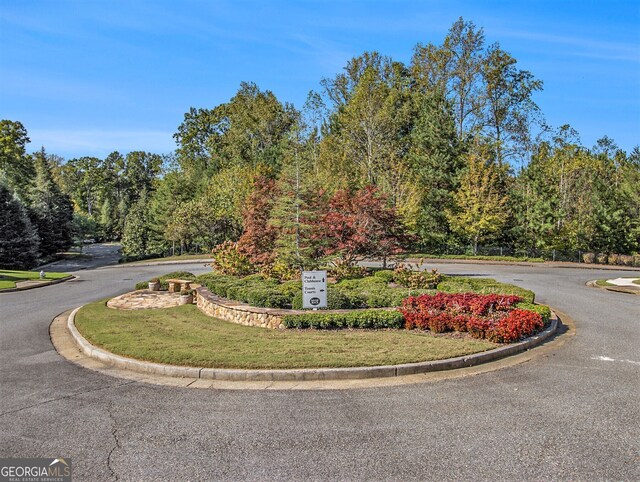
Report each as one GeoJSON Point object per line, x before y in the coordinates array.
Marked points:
{"type": "Point", "coordinates": [571, 414]}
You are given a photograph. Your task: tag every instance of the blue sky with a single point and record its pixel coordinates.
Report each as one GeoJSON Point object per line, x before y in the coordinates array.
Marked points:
{"type": "Point", "coordinates": [88, 77]}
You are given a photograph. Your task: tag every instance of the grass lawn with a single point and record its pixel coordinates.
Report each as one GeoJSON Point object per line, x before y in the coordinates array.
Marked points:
{"type": "Point", "coordinates": [184, 257]}
{"type": "Point", "coordinates": [9, 278]}
{"type": "Point", "coordinates": [603, 282]}
{"type": "Point", "coordinates": [185, 336]}
{"type": "Point", "coordinates": [512, 259]}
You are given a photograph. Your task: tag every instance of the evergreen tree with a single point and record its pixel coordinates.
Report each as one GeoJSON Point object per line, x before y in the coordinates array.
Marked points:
{"type": "Point", "coordinates": [51, 211]}
{"type": "Point", "coordinates": [108, 219]}
{"type": "Point", "coordinates": [137, 231]}
{"type": "Point", "coordinates": [18, 238]}
{"type": "Point", "coordinates": [295, 213]}
{"type": "Point", "coordinates": [436, 161]}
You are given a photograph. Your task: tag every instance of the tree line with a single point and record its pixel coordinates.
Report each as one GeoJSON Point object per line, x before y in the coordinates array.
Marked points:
{"type": "Point", "coordinates": [452, 142]}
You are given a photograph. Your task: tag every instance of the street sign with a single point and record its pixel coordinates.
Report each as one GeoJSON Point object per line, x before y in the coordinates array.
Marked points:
{"type": "Point", "coordinates": [314, 289]}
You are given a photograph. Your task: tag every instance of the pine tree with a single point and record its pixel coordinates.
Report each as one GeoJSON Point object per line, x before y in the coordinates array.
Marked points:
{"type": "Point", "coordinates": [51, 212]}
{"type": "Point", "coordinates": [18, 238]}
{"type": "Point", "coordinates": [295, 214]}
{"type": "Point", "coordinates": [436, 160]}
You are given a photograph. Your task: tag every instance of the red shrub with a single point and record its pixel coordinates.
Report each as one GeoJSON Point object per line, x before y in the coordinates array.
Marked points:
{"type": "Point", "coordinates": [415, 307]}
{"type": "Point", "coordinates": [517, 324]}
{"type": "Point", "coordinates": [484, 316]}
{"type": "Point", "coordinates": [440, 322]}
{"type": "Point", "coordinates": [478, 327]}
{"type": "Point", "coordinates": [459, 323]}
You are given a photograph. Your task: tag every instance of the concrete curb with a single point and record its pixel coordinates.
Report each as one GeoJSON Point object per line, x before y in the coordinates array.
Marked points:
{"type": "Point", "coordinates": [613, 288]}
{"type": "Point", "coordinates": [357, 373]}
{"type": "Point", "coordinates": [41, 285]}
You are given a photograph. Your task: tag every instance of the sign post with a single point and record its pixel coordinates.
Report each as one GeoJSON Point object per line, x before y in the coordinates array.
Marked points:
{"type": "Point", "coordinates": [314, 289]}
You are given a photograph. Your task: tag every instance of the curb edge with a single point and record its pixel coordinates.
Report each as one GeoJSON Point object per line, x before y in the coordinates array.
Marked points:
{"type": "Point", "coordinates": [353, 373]}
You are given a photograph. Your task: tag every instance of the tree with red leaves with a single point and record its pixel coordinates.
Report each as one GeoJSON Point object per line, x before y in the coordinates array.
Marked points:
{"type": "Point", "coordinates": [258, 241]}
{"type": "Point", "coordinates": [362, 225]}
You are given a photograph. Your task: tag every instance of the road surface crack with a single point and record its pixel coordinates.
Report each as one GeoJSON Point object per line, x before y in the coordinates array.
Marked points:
{"type": "Point", "coordinates": [114, 433]}
{"type": "Point", "coordinates": [11, 412]}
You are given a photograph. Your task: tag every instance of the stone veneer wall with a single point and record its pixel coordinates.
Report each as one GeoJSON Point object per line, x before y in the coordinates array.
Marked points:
{"type": "Point", "coordinates": [239, 313]}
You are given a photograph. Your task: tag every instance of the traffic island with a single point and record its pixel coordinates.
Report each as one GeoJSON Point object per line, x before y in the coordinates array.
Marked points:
{"type": "Point", "coordinates": [11, 280]}
{"type": "Point", "coordinates": [199, 372]}
{"type": "Point", "coordinates": [618, 285]}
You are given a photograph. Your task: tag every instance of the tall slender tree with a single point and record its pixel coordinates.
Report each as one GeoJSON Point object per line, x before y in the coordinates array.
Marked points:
{"type": "Point", "coordinates": [50, 211]}
{"type": "Point", "coordinates": [18, 238]}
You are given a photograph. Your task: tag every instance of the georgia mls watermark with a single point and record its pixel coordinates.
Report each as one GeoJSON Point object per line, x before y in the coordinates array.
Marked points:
{"type": "Point", "coordinates": [35, 470]}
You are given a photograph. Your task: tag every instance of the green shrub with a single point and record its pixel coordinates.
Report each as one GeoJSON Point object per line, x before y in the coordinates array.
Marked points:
{"type": "Point", "coordinates": [543, 310]}
{"type": "Point", "coordinates": [375, 319]}
{"type": "Point", "coordinates": [336, 300]}
{"type": "Point", "coordinates": [164, 284]}
{"type": "Point", "coordinates": [267, 298]}
{"type": "Point", "coordinates": [235, 292]}
{"type": "Point", "coordinates": [227, 259]}
{"type": "Point", "coordinates": [454, 286]}
{"type": "Point", "coordinates": [409, 276]}
{"type": "Point", "coordinates": [385, 274]}
{"type": "Point", "coordinates": [280, 270]}
{"type": "Point", "coordinates": [291, 288]}
{"type": "Point", "coordinates": [386, 298]}
{"type": "Point", "coordinates": [460, 284]}
{"type": "Point", "coordinates": [369, 292]}
{"type": "Point", "coordinates": [344, 271]}
{"type": "Point", "coordinates": [255, 277]}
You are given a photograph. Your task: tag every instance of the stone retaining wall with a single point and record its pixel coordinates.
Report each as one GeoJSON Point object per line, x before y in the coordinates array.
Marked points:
{"type": "Point", "coordinates": [244, 314]}
{"type": "Point", "coordinates": [239, 313]}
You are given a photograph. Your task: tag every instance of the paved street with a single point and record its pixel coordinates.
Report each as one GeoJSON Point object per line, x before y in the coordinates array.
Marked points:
{"type": "Point", "coordinates": [570, 414]}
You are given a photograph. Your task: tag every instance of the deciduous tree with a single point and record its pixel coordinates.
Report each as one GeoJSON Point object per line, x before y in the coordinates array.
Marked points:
{"type": "Point", "coordinates": [480, 209]}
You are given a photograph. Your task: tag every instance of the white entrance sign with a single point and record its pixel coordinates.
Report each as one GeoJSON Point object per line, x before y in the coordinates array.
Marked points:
{"type": "Point", "coordinates": [314, 289]}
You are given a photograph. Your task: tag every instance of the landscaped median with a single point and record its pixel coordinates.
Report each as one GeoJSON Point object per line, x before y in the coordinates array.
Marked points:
{"type": "Point", "coordinates": [620, 285]}
{"type": "Point", "coordinates": [154, 341]}
{"type": "Point", "coordinates": [11, 280]}
{"type": "Point", "coordinates": [431, 331]}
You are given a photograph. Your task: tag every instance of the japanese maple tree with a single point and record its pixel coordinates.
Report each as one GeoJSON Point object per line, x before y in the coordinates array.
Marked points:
{"type": "Point", "coordinates": [361, 225]}
{"type": "Point", "coordinates": [259, 237]}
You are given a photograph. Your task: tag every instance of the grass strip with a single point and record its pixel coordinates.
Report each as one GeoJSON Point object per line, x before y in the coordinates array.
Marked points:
{"type": "Point", "coordinates": [603, 282]}
{"type": "Point", "coordinates": [185, 336]}
{"type": "Point", "coordinates": [9, 278]}
{"type": "Point", "coordinates": [511, 259]}
{"type": "Point", "coordinates": [184, 257]}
